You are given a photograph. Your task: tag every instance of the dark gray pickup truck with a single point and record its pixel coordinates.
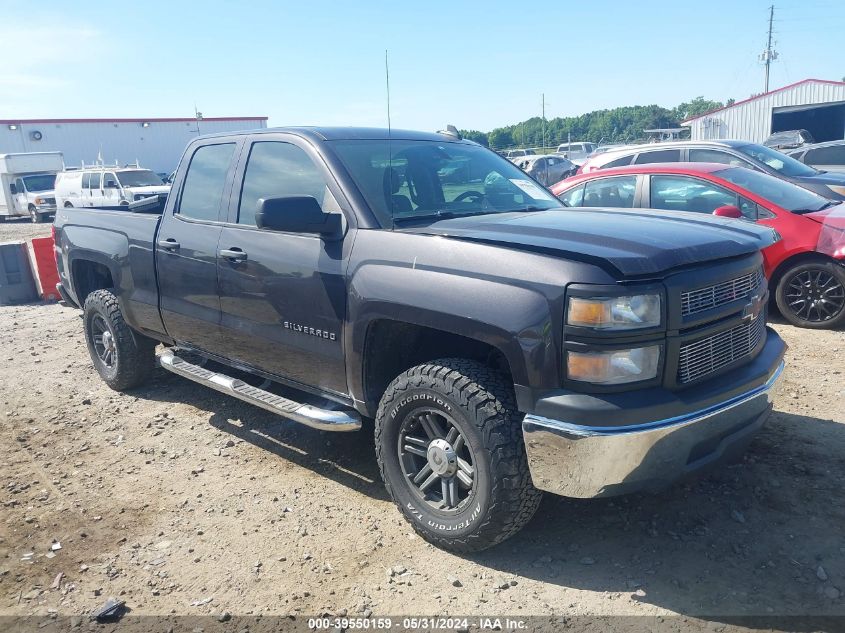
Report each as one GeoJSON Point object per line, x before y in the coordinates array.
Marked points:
{"type": "Point", "coordinates": [503, 344]}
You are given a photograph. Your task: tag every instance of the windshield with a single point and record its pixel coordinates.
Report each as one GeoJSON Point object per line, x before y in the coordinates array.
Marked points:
{"type": "Point", "coordinates": [405, 181]}
{"type": "Point", "coordinates": [782, 193]}
{"type": "Point", "coordinates": [139, 178]}
{"type": "Point", "coordinates": [781, 163]}
{"type": "Point", "coordinates": [43, 182]}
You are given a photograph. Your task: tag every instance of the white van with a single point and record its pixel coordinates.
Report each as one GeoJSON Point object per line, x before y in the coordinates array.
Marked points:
{"type": "Point", "coordinates": [576, 152]}
{"type": "Point", "coordinates": [104, 186]}
{"type": "Point", "coordinates": [26, 184]}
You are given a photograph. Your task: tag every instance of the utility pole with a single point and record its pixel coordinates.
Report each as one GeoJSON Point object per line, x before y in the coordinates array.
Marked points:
{"type": "Point", "coordinates": [769, 55]}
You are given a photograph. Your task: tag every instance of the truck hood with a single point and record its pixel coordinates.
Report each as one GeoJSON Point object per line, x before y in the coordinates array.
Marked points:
{"type": "Point", "coordinates": [634, 242]}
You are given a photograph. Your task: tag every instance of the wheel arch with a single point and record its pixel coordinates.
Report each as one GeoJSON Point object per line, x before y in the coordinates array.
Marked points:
{"type": "Point", "coordinates": [797, 259]}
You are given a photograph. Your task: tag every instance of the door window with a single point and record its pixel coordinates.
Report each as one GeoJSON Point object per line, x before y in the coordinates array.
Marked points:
{"type": "Point", "coordinates": [682, 193]}
{"type": "Point", "coordinates": [19, 188]}
{"type": "Point", "coordinates": [619, 162]}
{"type": "Point", "coordinates": [833, 155]}
{"type": "Point", "coordinates": [276, 169]}
{"type": "Point", "coordinates": [205, 182]}
{"type": "Point", "coordinates": [611, 192]}
{"type": "Point", "coordinates": [95, 180]}
{"type": "Point", "coordinates": [110, 178]}
{"type": "Point", "coordinates": [716, 156]}
{"type": "Point", "coordinates": [86, 180]}
{"type": "Point", "coordinates": [574, 197]}
{"type": "Point", "coordinates": [659, 156]}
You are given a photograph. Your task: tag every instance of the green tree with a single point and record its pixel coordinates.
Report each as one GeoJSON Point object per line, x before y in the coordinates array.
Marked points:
{"type": "Point", "coordinates": [475, 135]}
{"type": "Point", "coordinates": [500, 138]}
{"type": "Point", "coordinates": [697, 106]}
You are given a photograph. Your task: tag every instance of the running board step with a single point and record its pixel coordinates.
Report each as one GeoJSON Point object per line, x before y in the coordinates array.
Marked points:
{"type": "Point", "coordinates": [323, 419]}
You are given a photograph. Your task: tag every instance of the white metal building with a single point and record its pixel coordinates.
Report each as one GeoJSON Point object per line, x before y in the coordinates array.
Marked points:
{"type": "Point", "coordinates": [815, 105]}
{"type": "Point", "coordinates": [156, 143]}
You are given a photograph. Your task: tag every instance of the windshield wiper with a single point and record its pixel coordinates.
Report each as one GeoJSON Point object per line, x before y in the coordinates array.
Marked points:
{"type": "Point", "coordinates": [826, 205]}
{"type": "Point", "coordinates": [439, 215]}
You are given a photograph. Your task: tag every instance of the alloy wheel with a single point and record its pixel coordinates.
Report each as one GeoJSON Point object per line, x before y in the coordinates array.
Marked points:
{"type": "Point", "coordinates": [436, 460]}
{"type": "Point", "coordinates": [815, 295]}
{"type": "Point", "coordinates": [104, 344]}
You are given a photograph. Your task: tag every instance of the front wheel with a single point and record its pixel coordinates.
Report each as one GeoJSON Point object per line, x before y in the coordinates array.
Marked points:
{"type": "Point", "coordinates": [36, 217]}
{"type": "Point", "coordinates": [450, 450]}
{"type": "Point", "coordinates": [812, 295]}
{"type": "Point", "coordinates": [123, 358]}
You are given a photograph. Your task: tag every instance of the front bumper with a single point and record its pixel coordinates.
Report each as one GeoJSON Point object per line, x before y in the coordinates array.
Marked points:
{"type": "Point", "coordinates": [577, 460]}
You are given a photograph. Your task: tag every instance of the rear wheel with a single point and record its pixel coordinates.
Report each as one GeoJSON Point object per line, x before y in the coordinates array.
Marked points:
{"type": "Point", "coordinates": [812, 295]}
{"type": "Point", "coordinates": [123, 358]}
{"type": "Point", "coordinates": [450, 449]}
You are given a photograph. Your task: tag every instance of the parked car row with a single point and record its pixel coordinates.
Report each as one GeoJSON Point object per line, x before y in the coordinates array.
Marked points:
{"type": "Point", "coordinates": [805, 267]}
{"type": "Point", "coordinates": [737, 153]}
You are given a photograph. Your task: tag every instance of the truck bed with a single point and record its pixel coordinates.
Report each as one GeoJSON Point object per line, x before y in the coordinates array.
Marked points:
{"type": "Point", "coordinates": [117, 241]}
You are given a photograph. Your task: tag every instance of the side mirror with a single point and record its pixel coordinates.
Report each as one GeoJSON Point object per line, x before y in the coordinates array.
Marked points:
{"type": "Point", "coordinates": [111, 184]}
{"type": "Point", "coordinates": [728, 211]}
{"type": "Point", "coordinates": [296, 214]}
{"type": "Point", "coordinates": [12, 189]}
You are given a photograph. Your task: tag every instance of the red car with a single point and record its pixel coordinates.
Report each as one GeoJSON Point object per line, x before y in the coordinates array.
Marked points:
{"type": "Point", "coordinates": [806, 268]}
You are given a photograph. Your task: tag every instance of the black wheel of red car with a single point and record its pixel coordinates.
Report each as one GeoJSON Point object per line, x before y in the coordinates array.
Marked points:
{"type": "Point", "coordinates": [123, 358]}
{"type": "Point", "coordinates": [812, 295]}
{"type": "Point", "coordinates": [450, 449]}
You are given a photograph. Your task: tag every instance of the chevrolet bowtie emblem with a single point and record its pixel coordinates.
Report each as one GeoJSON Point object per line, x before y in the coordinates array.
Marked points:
{"type": "Point", "coordinates": [753, 309]}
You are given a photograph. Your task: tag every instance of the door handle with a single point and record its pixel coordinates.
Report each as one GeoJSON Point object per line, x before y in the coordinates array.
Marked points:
{"type": "Point", "coordinates": [169, 244]}
{"type": "Point", "coordinates": [234, 254]}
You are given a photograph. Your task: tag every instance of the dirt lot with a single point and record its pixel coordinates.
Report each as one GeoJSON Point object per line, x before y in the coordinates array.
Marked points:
{"type": "Point", "coordinates": [182, 501]}
{"type": "Point", "coordinates": [22, 229]}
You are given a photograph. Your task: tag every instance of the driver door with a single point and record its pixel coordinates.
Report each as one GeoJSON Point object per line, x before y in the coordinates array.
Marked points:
{"type": "Point", "coordinates": [20, 203]}
{"type": "Point", "coordinates": [111, 190]}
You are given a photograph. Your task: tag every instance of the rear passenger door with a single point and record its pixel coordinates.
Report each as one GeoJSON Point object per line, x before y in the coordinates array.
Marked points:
{"type": "Point", "coordinates": [186, 246]}
{"type": "Point", "coordinates": [283, 295]}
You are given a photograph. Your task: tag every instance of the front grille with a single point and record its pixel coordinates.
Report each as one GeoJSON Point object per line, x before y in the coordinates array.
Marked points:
{"type": "Point", "coordinates": [701, 299]}
{"type": "Point", "coordinates": [719, 350]}
{"type": "Point", "coordinates": [49, 201]}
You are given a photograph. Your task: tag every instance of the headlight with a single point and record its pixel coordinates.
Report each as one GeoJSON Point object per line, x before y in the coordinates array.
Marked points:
{"type": "Point", "coordinates": [837, 189]}
{"type": "Point", "coordinates": [613, 367]}
{"type": "Point", "coordinates": [616, 313]}
{"type": "Point", "coordinates": [39, 201]}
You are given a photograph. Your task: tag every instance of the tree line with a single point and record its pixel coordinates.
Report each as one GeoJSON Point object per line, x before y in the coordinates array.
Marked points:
{"type": "Point", "coordinates": [617, 125]}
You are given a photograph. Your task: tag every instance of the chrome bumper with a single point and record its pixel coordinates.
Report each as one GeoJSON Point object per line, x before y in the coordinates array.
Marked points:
{"type": "Point", "coordinates": [582, 461]}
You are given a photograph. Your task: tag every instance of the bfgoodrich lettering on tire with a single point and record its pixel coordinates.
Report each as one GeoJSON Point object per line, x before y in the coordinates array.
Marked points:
{"type": "Point", "coordinates": [449, 446]}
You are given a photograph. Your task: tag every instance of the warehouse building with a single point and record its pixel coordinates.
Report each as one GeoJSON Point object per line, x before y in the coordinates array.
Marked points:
{"type": "Point", "coordinates": [815, 105]}
{"type": "Point", "coordinates": [156, 144]}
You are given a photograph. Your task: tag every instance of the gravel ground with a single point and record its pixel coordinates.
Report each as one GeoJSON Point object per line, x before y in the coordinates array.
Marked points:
{"type": "Point", "coordinates": [180, 500]}
{"type": "Point", "coordinates": [22, 229]}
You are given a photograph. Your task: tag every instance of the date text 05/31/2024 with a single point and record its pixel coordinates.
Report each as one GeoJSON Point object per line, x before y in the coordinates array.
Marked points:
{"type": "Point", "coordinates": [417, 623]}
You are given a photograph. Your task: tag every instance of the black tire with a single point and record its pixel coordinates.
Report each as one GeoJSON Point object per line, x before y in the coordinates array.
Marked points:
{"type": "Point", "coordinates": [812, 295]}
{"type": "Point", "coordinates": [34, 215]}
{"type": "Point", "coordinates": [478, 403]}
{"type": "Point", "coordinates": [68, 205]}
{"type": "Point", "coordinates": [132, 355]}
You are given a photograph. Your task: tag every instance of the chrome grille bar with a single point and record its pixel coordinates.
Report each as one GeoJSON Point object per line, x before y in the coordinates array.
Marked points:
{"type": "Point", "coordinates": [701, 299]}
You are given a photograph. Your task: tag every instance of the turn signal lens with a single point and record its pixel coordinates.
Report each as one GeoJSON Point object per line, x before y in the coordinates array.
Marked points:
{"type": "Point", "coordinates": [614, 313]}
{"type": "Point", "coordinates": [613, 367]}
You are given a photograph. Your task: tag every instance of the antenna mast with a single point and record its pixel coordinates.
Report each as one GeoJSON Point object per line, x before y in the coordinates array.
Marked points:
{"type": "Point", "coordinates": [769, 55]}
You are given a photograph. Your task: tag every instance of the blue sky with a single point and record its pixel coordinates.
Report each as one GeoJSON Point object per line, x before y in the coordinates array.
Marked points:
{"type": "Point", "coordinates": [473, 64]}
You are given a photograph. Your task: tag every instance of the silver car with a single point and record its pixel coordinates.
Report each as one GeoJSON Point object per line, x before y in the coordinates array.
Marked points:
{"type": "Point", "coordinates": [548, 169]}
{"type": "Point", "coordinates": [828, 156]}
